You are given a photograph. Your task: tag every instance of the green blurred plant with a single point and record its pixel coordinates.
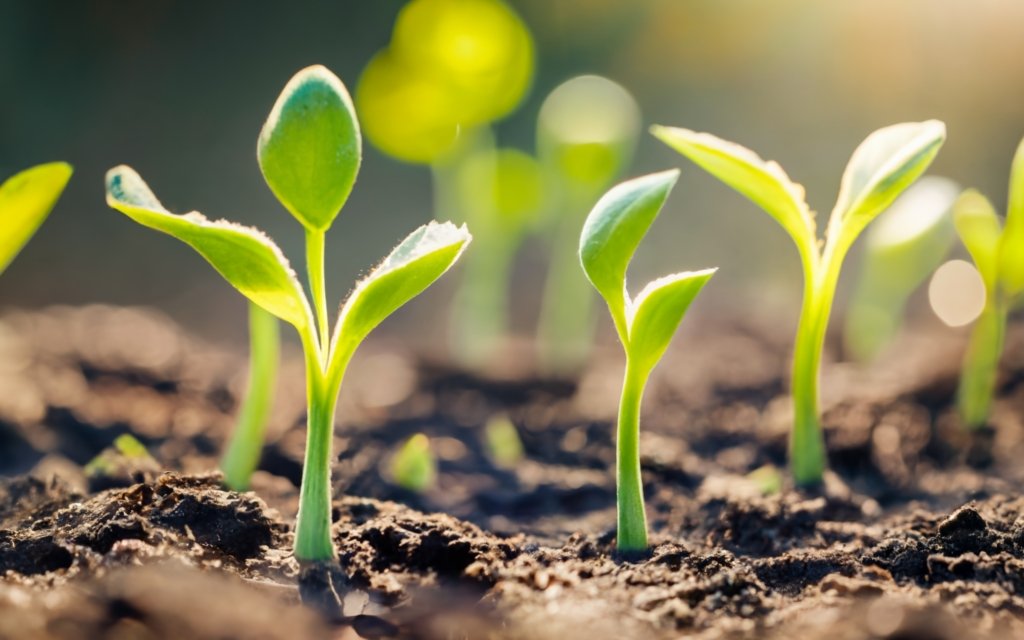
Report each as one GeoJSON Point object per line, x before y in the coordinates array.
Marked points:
{"type": "Point", "coordinates": [26, 198]}
{"type": "Point", "coordinates": [998, 253]}
{"type": "Point", "coordinates": [905, 246]}
{"type": "Point", "coordinates": [885, 164]}
{"type": "Point", "coordinates": [125, 456]}
{"type": "Point", "coordinates": [501, 440]}
{"type": "Point", "coordinates": [413, 466]}
{"type": "Point", "coordinates": [587, 132]}
{"type": "Point", "coordinates": [645, 324]}
{"type": "Point", "coordinates": [309, 152]}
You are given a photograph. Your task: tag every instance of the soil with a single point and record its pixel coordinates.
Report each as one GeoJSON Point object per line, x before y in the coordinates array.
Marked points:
{"type": "Point", "coordinates": [917, 533]}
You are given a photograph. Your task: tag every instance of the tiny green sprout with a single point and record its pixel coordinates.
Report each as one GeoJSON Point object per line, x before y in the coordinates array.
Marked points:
{"type": "Point", "coordinates": [26, 198]}
{"type": "Point", "coordinates": [309, 152]}
{"type": "Point", "coordinates": [645, 324]}
{"type": "Point", "coordinates": [905, 246]}
{"type": "Point", "coordinates": [998, 253]}
{"type": "Point", "coordinates": [246, 444]}
{"type": "Point", "coordinates": [501, 440]}
{"type": "Point", "coordinates": [413, 466]}
{"type": "Point", "coordinates": [887, 162]}
{"type": "Point", "coordinates": [125, 455]}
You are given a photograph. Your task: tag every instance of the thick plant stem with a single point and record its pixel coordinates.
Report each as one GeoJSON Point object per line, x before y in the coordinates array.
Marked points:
{"type": "Point", "coordinates": [315, 270]}
{"type": "Point", "coordinates": [632, 520]}
{"type": "Point", "coordinates": [981, 366]}
{"type": "Point", "coordinates": [243, 452]}
{"type": "Point", "coordinates": [313, 532]}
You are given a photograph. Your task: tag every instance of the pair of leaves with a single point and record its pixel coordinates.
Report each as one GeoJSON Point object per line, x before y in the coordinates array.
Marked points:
{"type": "Point", "coordinates": [997, 252]}
{"type": "Point", "coordinates": [885, 164]}
{"type": "Point", "coordinates": [26, 198]}
{"type": "Point", "coordinates": [610, 237]}
{"type": "Point", "coordinates": [309, 153]}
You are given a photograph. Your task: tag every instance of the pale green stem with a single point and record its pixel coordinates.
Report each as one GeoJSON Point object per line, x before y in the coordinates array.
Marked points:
{"type": "Point", "coordinates": [632, 520]}
{"type": "Point", "coordinates": [315, 242]}
{"type": "Point", "coordinates": [981, 365]}
{"type": "Point", "coordinates": [243, 452]}
{"type": "Point", "coordinates": [481, 303]}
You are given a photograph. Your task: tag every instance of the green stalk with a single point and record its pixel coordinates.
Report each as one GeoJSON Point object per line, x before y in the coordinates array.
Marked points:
{"type": "Point", "coordinates": [315, 270]}
{"type": "Point", "coordinates": [481, 303]}
{"type": "Point", "coordinates": [981, 365]}
{"type": "Point", "coordinates": [632, 520]}
{"type": "Point", "coordinates": [243, 452]}
{"type": "Point", "coordinates": [313, 531]}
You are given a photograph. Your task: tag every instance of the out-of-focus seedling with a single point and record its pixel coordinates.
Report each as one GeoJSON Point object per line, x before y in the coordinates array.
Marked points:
{"type": "Point", "coordinates": [885, 164]}
{"type": "Point", "coordinates": [998, 253]}
{"type": "Point", "coordinates": [587, 131]}
{"type": "Point", "coordinates": [645, 324]}
{"type": "Point", "coordinates": [26, 198]}
{"type": "Point", "coordinates": [501, 440]}
{"type": "Point", "coordinates": [246, 444]}
{"type": "Point", "coordinates": [414, 466]}
{"type": "Point", "coordinates": [905, 246]}
{"type": "Point", "coordinates": [123, 459]}
{"type": "Point", "coordinates": [309, 152]}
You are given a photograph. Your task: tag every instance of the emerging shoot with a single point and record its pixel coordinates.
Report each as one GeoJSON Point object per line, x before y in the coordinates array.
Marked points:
{"type": "Point", "coordinates": [998, 252]}
{"type": "Point", "coordinates": [309, 152]}
{"type": "Point", "coordinates": [885, 164]}
{"type": "Point", "coordinates": [413, 466]}
{"type": "Point", "coordinates": [645, 324]}
{"type": "Point", "coordinates": [26, 198]}
{"type": "Point", "coordinates": [502, 443]}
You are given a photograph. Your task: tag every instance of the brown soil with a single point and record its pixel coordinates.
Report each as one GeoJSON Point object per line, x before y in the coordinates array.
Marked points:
{"type": "Point", "coordinates": [917, 534]}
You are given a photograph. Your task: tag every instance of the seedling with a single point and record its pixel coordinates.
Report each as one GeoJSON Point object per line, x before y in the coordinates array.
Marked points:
{"type": "Point", "coordinates": [246, 444]}
{"type": "Point", "coordinates": [124, 456]}
{"type": "Point", "coordinates": [998, 253]}
{"type": "Point", "coordinates": [26, 198]}
{"type": "Point", "coordinates": [413, 466]}
{"type": "Point", "coordinates": [309, 151]}
{"type": "Point", "coordinates": [645, 324]}
{"type": "Point", "coordinates": [587, 131]}
{"type": "Point", "coordinates": [885, 164]}
{"type": "Point", "coordinates": [908, 244]}
{"type": "Point", "coordinates": [502, 442]}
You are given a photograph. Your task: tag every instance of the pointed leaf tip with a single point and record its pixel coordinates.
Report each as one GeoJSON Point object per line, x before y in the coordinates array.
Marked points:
{"type": "Point", "coordinates": [244, 256]}
{"type": "Point", "coordinates": [656, 313]}
{"type": "Point", "coordinates": [26, 199]}
{"type": "Point", "coordinates": [310, 147]}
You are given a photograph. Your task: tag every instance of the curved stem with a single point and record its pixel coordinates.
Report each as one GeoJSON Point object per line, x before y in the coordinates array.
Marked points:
{"type": "Point", "coordinates": [632, 520]}
{"type": "Point", "coordinates": [243, 452]}
{"type": "Point", "coordinates": [315, 270]}
{"type": "Point", "coordinates": [981, 365]}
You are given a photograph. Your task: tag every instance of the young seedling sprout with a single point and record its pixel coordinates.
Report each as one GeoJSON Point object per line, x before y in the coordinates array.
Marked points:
{"type": "Point", "coordinates": [26, 198]}
{"type": "Point", "coordinates": [885, 164]}
{"type": "Point", "coordinates": [645, 324]}
{"type": "Point", "coordinates": [309, 152]}
{"type": "Point", "coordinates": [905, 246]}
{"type": "Point", "coordinates": [998, 253]}
{"type": "Point", "coordinates": [414, 466]}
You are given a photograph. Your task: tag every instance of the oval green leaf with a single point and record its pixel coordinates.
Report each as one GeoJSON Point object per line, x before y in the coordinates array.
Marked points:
{"type": "Point", "coordinates": [886, 163]}
{"type": "Point", "coordinates": [310, 147]}
{"type": "Point", "coordinates": [656, 313]}
{"type": "Point", "coordinates": [1011, 249]}
{"type": "Point", "coordinates": [613, 231]}
{"type": "Point", "coordinates": [411, 267]}
{"type": "Point", "coordinates": [244, 256]}
{"type": "Point", "coordinates": [978, 227]}
{"type": "Point", "coordinates": [764, 183]}
{"type": "Point", "coordinates": [26, 198]}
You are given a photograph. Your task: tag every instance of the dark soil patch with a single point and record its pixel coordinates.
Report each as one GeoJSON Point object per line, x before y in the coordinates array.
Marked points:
{"type": "Point", "coordinates": [917, 533]}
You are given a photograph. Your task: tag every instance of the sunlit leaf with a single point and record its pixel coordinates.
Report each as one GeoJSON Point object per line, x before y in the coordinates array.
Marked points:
{"type": "Point", "coordinates": [310, 147]}
{"type": "Point", "coordinates": [613, 231]}
{"type": "Point", "coordinates": [1011, 250]}
{"type": "Point", "coordinates": [978, 227]}
{"type": "Point", "coordinates": [886, 163]}
{"type": "Point", "coordinates": [244, 256]}
{"type": "Point", "coordinates": [764, 183]}
{"type": "Point", "coordinates": [656, 312]}
{"type": "Point", "coordinates": [410, 268]}
{"type": "Point", "coordinates": [26, 198]}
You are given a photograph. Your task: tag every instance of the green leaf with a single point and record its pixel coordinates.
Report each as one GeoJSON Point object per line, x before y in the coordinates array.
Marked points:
{"type": "Point", "coordinates": [613, 231]}
{"type": "Point", "coordinates": [886, 163]}
{"type": "Point", "coordinates": [410, 268]}
{"type": "Point", "coordinates": [657, 311]}
{"type": "Point", "coordinates": [978, 227]}
{"type": "Point", "coordinates": [26, 198]}
{"type": "Point", "coordinates": [764, 183]}
{"type": "Point", "coordinates": [310, 147]}
{"type": "Point", "coordinates": [244, 256]}
{"type": "Point", "coordinates": [1011, 250]}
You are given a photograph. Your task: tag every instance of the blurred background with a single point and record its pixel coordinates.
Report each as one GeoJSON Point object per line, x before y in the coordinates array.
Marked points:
{"type": "Point", "coordinates": [180, 90]}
